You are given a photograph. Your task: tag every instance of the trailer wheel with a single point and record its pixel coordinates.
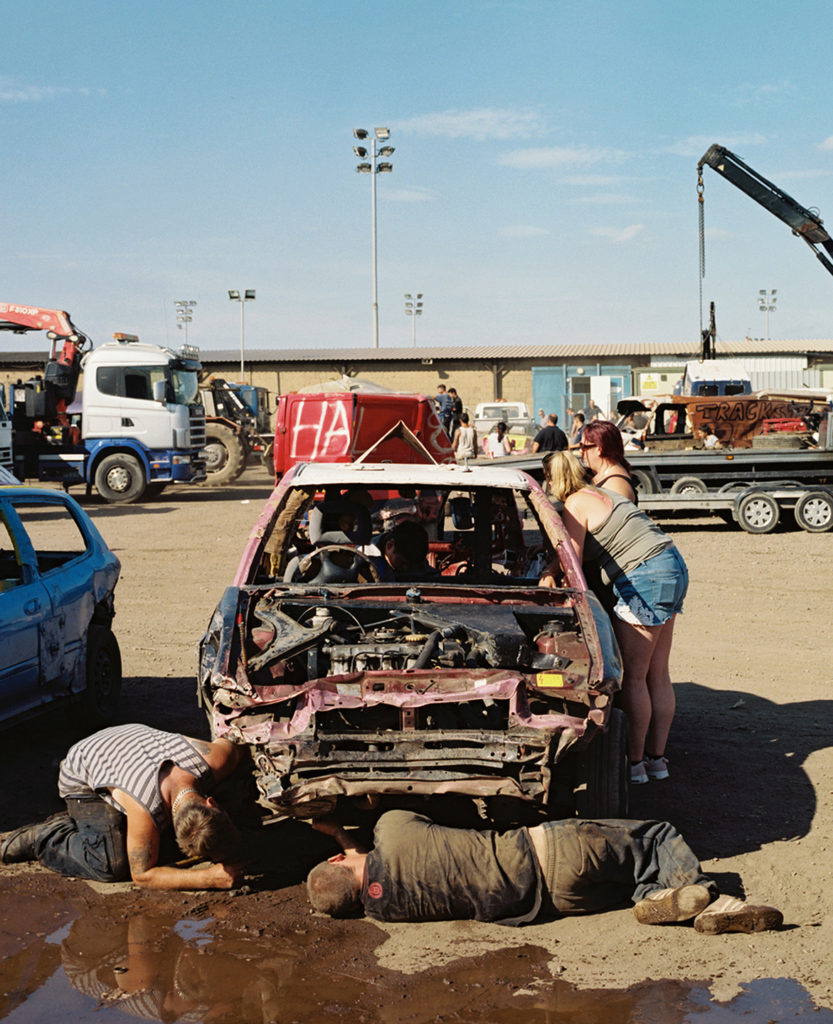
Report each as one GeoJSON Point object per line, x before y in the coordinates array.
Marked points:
{"type": "Point", "coordinates": [688, 485]}
{"type": "Point", "coordinates": [758, 513]}
{"type": "Point", "coordinates": [643, 481]}
{"type": "Point", "coordinates": [120, 478]}
{"type": "Point", "coordinates": [814, 511]}
{"type": "Point", "coordinates": [601, 789]}
{"type": "Point", "coordinates": [225, 455]}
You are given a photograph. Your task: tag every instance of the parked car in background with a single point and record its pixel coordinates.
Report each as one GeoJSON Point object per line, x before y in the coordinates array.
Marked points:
{"type": "Point", "coordinates": [57, 578]}
{"type": "Point", "coordinates": [459, 675]}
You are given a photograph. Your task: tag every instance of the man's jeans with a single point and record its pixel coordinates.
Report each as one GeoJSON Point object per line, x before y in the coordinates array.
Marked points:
{"type": "Point", "coordinates": [592, 865]}
{"type": "Point", "coordinates": [89, 841]}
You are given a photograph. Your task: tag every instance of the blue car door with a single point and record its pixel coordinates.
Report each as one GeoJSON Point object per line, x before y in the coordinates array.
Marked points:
{"type": "Point", "coordinates": [25, 606]}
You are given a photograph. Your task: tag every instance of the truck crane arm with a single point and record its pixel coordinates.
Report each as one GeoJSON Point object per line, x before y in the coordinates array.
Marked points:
{"type": "Point", "coordinates": [803, 222]}
{"type": "Point", "coordinates": [68, 346]}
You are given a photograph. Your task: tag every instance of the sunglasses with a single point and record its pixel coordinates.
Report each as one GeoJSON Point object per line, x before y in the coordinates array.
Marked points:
{"type": "Point", "coordinates": [584, 447]}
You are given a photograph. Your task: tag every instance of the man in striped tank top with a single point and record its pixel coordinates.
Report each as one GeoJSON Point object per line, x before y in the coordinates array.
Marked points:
{"type": "Point", "coordinates": [125, 788]}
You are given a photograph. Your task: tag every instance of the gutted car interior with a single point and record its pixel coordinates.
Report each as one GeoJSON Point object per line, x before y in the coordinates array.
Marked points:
{"type": "Point", "coordinates": [461, 675]}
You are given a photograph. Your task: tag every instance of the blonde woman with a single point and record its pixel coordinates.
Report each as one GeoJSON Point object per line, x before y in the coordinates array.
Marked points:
{"type": "Point", "coordinates": [641, 577]}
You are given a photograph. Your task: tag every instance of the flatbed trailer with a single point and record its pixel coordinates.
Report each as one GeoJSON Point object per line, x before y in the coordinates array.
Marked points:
{"type": "Point", "coordinates": [756, 509]}
{"type": "Point", "coordinates": [711, 469]}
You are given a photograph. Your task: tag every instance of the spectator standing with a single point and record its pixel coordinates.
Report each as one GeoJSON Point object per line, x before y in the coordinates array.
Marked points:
{"type": "Point", "coordinates": [443, 402]}
{"type": "Point", "coordinates": [603, 453]}
{"type": "Point", "coordinates": [576, 430]}
{"type": "Point", "coordinates": [464, 441]}
{"type": "Point", "coordinates": [456, 409]}
{"type": "Point", "coordinates": [551, 438]}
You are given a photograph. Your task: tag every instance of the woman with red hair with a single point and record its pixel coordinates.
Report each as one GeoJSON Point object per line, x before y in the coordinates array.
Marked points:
{"type": "Point", "coordinates": [603, 453]}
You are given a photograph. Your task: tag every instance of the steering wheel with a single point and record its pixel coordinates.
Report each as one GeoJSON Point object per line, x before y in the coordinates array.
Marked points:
{"type": "Point", "coordinates": [335, 563]}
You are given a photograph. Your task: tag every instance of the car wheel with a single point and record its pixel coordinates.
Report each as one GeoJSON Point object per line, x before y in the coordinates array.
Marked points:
{"type": "Point", "coordinates": [814, 511]}
{"type": "Point", "coordinates": [225, 455]}
{"type": "Point", "coordinates": [601, 784]}
{"type": "Point", "coordinates": [100, 699]}
{"type": "Point", "coordinates": [120, 478]}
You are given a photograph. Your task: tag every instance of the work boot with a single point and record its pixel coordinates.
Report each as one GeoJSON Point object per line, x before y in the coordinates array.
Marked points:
{"type": "Point", "coordinates": [668, 906]}
{"type": "Point", "coordinates": [728, 914]}
{"type": "Point", "coordinates": [19, 846]}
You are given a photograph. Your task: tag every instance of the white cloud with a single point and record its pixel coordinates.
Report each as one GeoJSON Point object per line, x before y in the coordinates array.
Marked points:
{"type": "Point", "coordinates": [748, 93]}
{"type": "Point", "coordinates": [619, 235]}
{"type": "Point", "coordinates": [559, 156]}
{"type": "Point", "coordinates": [13, 92]}
{"type": "Point", "coordinates": [522, 231]}
{"type": "Point", "coordinates": [696, 145]}
{"type": "Point", "coordinates": [482, 124]}
{"type": "Point", "coordinates": [827, 144]}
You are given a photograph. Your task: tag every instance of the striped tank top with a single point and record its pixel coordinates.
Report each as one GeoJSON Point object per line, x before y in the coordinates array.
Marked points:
{"type": "Point", "coordinates": [130, 758]}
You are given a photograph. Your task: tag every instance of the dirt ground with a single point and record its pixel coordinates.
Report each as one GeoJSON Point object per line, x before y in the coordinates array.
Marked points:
{"type": "Point", "coordinates": [751, 758]}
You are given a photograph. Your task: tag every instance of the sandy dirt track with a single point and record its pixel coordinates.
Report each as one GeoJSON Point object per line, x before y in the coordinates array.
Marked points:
{"type": "Point", "coordinates": [751, 756]}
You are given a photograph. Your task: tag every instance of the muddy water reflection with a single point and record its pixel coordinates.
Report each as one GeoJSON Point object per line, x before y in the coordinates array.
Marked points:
{"type": "Point", "coordinates": [104, 968]}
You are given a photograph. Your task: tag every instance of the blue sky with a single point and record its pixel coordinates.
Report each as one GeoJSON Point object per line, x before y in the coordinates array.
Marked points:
{"type": "Point", "coordinates": [544, 182]}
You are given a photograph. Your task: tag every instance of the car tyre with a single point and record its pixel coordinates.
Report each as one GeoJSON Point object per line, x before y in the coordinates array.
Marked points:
{"type": "Point", "coordinates": [120, 478]}
{"type": "Point", "coordinates": [601, 783]}
{"type": "Point", "coordinates": [100, 699]}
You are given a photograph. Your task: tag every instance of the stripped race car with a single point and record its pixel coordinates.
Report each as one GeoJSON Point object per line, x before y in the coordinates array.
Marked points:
{"type": "Point", "coordinates": [57, 580]}
{"type": "Point", "coordinates": [354, 672]}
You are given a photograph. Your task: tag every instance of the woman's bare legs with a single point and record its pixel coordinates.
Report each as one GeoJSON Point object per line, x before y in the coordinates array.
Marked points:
{"type": "Point", "coordinates": [636, 644]}
{"type": "Point", "coordinates": [661, 691]}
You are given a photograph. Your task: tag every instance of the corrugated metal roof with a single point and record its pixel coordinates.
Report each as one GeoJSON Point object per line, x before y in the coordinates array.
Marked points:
{"type": "Point", "coordinates": [643, 349]}
{"type": "Point", "coordinates": [611, 350]}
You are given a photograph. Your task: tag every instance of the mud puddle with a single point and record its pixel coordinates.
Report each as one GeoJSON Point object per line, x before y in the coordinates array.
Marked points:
{"type": "Point", "coordinates": [106, 966]}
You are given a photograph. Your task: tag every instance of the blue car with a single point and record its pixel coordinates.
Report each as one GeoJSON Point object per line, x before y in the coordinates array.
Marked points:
{"type": "Point", "coordinates": [57, 578]}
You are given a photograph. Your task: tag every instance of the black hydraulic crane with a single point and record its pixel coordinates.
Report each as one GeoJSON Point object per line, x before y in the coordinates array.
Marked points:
{"type": "Point", "coordinates": [805, 223]}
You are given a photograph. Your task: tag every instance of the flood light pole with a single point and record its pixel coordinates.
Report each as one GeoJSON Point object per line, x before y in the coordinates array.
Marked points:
{"type": "Point", "coordinates": [373, 168]}
{"type": "Point", "coordinates": [247, 296]}
{"type": "Point", "coordinates": [413, 308]}
{"type": "Point", "coordinates": [766, 304]}
{"type": "Point", "coordinates": [184, 314]}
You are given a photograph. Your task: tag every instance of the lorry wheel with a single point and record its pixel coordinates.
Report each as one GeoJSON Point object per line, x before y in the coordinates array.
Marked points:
{"type": "Point", "coordinates": [120, 478]}
{"type": "Point", "coordinates": [688, 485]}
{"type": "Point", "coordinates": [225, 455]}
{"type": "Point", "coordinates": [601, 785]}
{"type": "Point", "coordinates": [100, 699]}
{"type": "Point", "coordinates": [642, 481]}
{"type": "Point", "coordinates": [814, 511]}
{"type": "Point", "coordinates": [758, 513]}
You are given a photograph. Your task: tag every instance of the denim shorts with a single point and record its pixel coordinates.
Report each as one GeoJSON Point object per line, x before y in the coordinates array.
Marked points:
{"type": "Point", "coordinates": [652, 592]}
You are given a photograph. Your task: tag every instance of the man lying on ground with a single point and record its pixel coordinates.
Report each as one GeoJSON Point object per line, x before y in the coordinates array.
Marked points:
{"type": "Point", "coordinates": [420, 871]}
{"type": "Point", "coordinates": [123, 788]}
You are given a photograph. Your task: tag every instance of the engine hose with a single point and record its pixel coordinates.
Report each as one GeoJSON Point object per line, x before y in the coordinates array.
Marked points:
{"type": "Point", "coordinates": [428, 650]}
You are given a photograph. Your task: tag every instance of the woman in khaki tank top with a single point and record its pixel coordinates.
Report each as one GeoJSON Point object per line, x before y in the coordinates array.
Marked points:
{"type": "Point", "coordinates": [642, 580]}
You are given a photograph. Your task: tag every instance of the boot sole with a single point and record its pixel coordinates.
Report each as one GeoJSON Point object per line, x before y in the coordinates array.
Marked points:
{"type": "Point", "coordinates": [749, 919]}
{"type": "Point", "coordinates": [680, 905]}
